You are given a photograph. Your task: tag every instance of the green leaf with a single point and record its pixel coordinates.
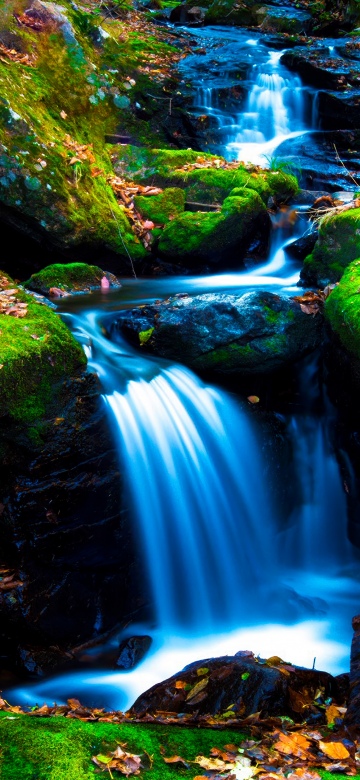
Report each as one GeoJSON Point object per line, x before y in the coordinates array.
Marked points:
{"type": "Point", "coordinates": [201, 671]}
{"type": "Point", "coordinates": [103, 759]}
{"type": "Point", "coordinates": [245, 675]}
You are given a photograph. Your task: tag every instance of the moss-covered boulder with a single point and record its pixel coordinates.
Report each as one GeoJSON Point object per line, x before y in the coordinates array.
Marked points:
{"type": "Point", "coordinates": [66, 85]}
{"type": "Point", "coordinates": [70, 277]}
{"type": "Point", "coordinates": [204, 177]}
{"type": "Point", "coordinates": [256, 332]}
{"type": "Point", "coordinates": [163, 207]}
{"type": "Point", "coordinates": [37, 353]}
{"type": "Point", "coordinates": [342, 309]}
{"type": "Point", "coordinates": [218, 237]}
{"type": "Point", "coordinates": [337, 246]}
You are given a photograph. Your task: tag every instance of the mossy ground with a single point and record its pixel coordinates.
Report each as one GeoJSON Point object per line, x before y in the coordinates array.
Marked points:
{"type": "Point", "coordinates": [37, 353]}
{"type": "Point", "coordinates": [76, 91]}
{"type": "Point", "coordinates": [66, 276]}
{"type": "Point", "coordinates": [342, 309]}
{"type": "Point", "coordinates": [33, 748]}
{"type": "Point", "coordinates": [337, 246]}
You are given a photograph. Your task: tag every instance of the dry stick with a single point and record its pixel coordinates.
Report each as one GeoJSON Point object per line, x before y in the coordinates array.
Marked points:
{"type": "Point", "coordinates": [345, 168]}
{"type": "Point", "coordinates": [124, 245]}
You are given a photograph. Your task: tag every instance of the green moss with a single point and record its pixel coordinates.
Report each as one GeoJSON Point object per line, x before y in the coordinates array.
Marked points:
{"type": "Point", "coordinates": [58, 748]}
{"type": "Point", "coordinates": [208, 185]}
{"type": "Point", "coordinates": [229, 12]}
{"type": "Point", "coordinates": [36, 353]}
{"type": "Point", "coordinates": [337, 246]}
{"type": "Point", "coordinates": [161, 208]}
{"type": "Point", "coordinates": [342, 309]}
{"type": "Point", "coordinates": [201, 236]}
{"type": "Point", "coordinates": [227, 358]}
{"type": "Point", "coordinates": [67, 276]}
{"type": "Point", "coordinates": [145, 335]}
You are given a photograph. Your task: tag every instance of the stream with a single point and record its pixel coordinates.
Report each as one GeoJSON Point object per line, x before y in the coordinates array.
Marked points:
{"type": "Point", "coordinates": [225, 571]}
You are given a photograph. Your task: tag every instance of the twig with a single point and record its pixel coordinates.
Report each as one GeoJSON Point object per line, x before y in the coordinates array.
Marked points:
{"type": "Point", "coordinates": [124, 245]}
{"type": "Point", "coordinates": [345, 168]}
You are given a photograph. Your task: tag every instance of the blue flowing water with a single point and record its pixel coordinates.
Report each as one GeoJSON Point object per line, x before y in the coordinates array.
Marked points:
{"type": "Point", "coordinates": [224, 573]}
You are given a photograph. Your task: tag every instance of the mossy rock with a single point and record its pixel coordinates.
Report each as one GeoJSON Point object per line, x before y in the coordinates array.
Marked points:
{"type": "Point", "coordinates": [342, 309]}
{"type": "Point", "coordinates": [37, 352]}
{"type": "Point", "coordinates": [75, 277]}
{"type": "Point", "coordinates": [56, 108]}
{"type": "Point", "coordinates": [337, 246]}
{"type": "Point", "coordinates": [202, 237]}
{"type": "Point", "coordinates": [167, 168]}
{"type": "Point", "coordinates": [163, 207]}
{"type": "Point", "coordinates": [229, 12]}
{"type": "Point", "coordinates": [252, 333]}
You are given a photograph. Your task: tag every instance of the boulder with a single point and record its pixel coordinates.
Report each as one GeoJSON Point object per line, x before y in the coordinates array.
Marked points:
{"type": "Point", "coordinates": [352, 715]}
{"type": "Point", "coordinates": [284, 20]}
{"type": "Point", "coordinates": [202, 238]}
{"type": "Point", "coordinates": [342, 311]}
{"type": "Point", "coordinates": [69, 278]}
{"type": "Point", "coordinates": [132, 651]}
{"type": "Point", "coordinates": [240, 685]}
{"type": "Point", "coordinates": [255, 332]}
{"type": "Point", "coordinates": [337, 246]}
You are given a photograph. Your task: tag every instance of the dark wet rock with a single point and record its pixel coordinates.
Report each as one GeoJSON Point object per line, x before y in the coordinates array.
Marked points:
{"type": "Point", "coordinates": [339, 110]}
{"type": "Point", "coordinates": [302, 246]}
{"type": "Point", "coordinates": [242, 683]}
{"type": "Point", "coordinates": [352, 715]}
{"type": "Point", "coordinates": [308, 197]}
{"type": "Point", "coordinates": [255, 332]}
{"type": "Point", "coordinates": [286, 19]}
{"type": "Point", "coordinates": [188, 13]}
{"type": "Point", "coordinates": [337, 246]}
{"type": "Point", "coordinates": [318, 69]}
{"type": "Point", "coordinates": [312, 155]}
{"type": "Point", "coordinates": [63, 531]}
{"type": "Point", "coordinates": [132, 651]}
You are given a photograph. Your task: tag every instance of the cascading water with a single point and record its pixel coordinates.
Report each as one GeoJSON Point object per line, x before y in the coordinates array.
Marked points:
{"type": "Point", "coordinates": [277, 108]}
{"type": "Point", "coordinates": [196, 501]}
{"type": "Point", "coordinates": [224, 575]}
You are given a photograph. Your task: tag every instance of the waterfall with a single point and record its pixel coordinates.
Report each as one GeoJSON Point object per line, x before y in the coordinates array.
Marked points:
{"type": "Point", "coordinates": [194, 466]}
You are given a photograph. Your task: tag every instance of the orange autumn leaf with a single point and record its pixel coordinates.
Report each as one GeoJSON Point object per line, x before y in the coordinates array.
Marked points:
{"type": "Point", "coordinates": [333, 712]}
{"type": "Point", "coordinates": [180, 684]}
{"type": "Point", "coordinates": [292, 745]}
{"type": "Point", "coordinates": [334, 749]}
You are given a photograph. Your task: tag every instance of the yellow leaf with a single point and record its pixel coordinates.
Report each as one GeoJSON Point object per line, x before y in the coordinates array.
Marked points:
{"type": "Point", "coordinates": [334, 749]}
{"type": "Point", "coordinates": [197, 688]}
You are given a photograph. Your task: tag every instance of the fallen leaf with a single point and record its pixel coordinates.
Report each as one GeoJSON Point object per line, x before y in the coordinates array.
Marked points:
{"type": "Point", "coordinates": [176, 760]}
{"type": "Point", "coordinates": [254, 399]}
{"type": "Point", "coordinates": [334, 750]}
{"type": "Point", "coordinates": [197, 688]}
{"type": "Point", "coordinates": [293, 745]}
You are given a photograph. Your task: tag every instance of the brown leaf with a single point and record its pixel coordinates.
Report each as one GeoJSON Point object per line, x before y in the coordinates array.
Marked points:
{"type": "Point", "coordinates": [180, 684]}
{"type": "Point", "coordinates": [176, 760]}
{"type": "Point", "coordinates": [293, 745]}
{"type": "Point", "coordinates": [334, 750]}
{"type": "Point", "coordinates": [253, 399]}
{"type": "Point", "coordinates": [213, 763]}
{"type": "Point", "coordinates": [332, 713]}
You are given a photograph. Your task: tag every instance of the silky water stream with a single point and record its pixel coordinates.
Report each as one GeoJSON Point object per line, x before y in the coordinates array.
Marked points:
{"type": "Point", "coordinates": [224, 573]}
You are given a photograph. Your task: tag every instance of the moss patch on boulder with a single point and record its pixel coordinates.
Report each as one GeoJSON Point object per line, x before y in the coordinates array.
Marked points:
{"type": "Point", "coordinates": [37, 352]}
{"type": "Point", "coordinates": [204, 177]}
{"type": "Point", "coordinates": [342, 309]}
{"type": "Point", "coordinates": [337, 246]}
{"type": "Point", "coordinates": [161, 208]}
{"type": "Point", "coordinates": [67, 276]}
{"type": "Point", "coordinates": [201, 237]}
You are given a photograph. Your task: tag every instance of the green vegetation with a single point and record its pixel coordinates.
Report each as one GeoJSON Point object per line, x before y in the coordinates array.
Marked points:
{"type": "Point", "coordinates": [165, 168]}
{"type": "Point", "coordinates": [37, 352]}
{"type": "Point", "coordinates": [66, 276]}
{"type": "Point", "coordinates": [201, 236]}
{"type": "Point", "coordinates": [337, 246]}
{"type": "Point", "coordinates": [161, 208]}
{"type": "Point", "coordinates": [60, 96]}
{"type": "Point", "coordinates": [145, 336]}
{"type": "Point", "coordinates": [342, 309]}
{"type": "Point", "coordinates": [59, 749]}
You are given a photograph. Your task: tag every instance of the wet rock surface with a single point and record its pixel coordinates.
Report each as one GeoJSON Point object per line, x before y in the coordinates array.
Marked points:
{"type": "Point", "coordinates": [132, 651]}
{"type": "Point", "coordinates": [241, 684]}
{"type": "Point", "coordinates": [62, 531]}
{"type": "Point", "coordinates": [255, 332]}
